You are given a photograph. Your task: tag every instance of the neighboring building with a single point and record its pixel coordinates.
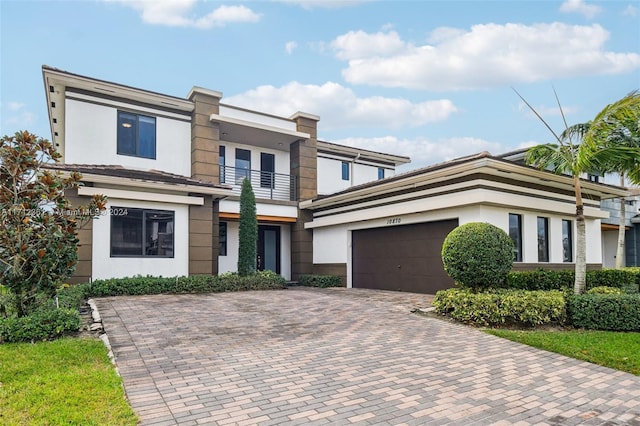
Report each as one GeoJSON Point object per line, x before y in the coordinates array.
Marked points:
{"type": "Point", "coordinates": [172, 170]}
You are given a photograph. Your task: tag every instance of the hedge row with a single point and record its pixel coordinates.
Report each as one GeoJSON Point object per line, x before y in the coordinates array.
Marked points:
{"type": "Point", "coordinates": [616, 312]}
{"type": "Point", "coordinates": [502, 307]}
{"type": "Point", "coordinates": [320, 281]}
{"type": "Point", "coordinates": [602, 309]}
{"type": "Point", "coordinates": [263, 280]}
{"type": "Point", "coordinates": [626, 279]}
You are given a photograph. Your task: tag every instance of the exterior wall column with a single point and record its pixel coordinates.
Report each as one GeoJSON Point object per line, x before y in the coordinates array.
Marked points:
{"type": "Point", "coordinates": [204, 220]}
{"type": "Point", "coordinates": [84, 267]}
{"type": "Point", "coordinates": [304, 166]}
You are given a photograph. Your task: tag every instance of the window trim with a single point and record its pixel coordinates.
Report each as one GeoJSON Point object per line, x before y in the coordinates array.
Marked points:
{"type": "Point", "coordinates": [137, 140]}
{"type": "Point", "coordinates": [143, 237]}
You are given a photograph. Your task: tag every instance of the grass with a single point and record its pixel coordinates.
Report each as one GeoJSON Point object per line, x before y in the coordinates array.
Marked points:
{"type": "Point", "coordinates": [68, 381]}
{"type": "Point", "coordinates": [617, 350]}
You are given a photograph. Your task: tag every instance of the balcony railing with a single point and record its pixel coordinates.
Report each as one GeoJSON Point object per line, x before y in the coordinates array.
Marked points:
{"type": "Point", "coordinates": [266, 185]}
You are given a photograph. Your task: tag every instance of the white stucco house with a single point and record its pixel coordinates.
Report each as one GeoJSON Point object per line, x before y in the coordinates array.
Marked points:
{"type": "Point", "coordinates": [172, 168]}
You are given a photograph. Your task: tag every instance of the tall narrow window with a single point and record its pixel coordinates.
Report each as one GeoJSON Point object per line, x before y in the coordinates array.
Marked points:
{"type": "Point", "coordinates": [543, 239]}
{"type": "Point", "coordinates": [223, 238]}
{"type": "Point", "coordinates": [136, 135]}
{"type": "Point", "coordinates": [345, 170]}
{"type": "Point", "coordinates": [515, 232]}
{"type": "Point", "coordinates": [567, 241]}
{"type": "Point", "coordinates": [243, 165]}
{"type": "Point", "coordinates": [222, 155]}
{"type": "Point", "coordinates": [267, 169]}
{"type": "Point", "coordinates": [141, 233]}
{"type": "Point", "coordinates": [380, 172]}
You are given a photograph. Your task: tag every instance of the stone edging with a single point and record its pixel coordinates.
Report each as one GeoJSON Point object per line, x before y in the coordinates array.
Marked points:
{"type": "Point", "coordinates": [97, 326]}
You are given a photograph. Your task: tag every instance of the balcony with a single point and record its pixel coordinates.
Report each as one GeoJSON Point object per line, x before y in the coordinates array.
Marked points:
{"type": "Point", "coordinates": [266, 185]}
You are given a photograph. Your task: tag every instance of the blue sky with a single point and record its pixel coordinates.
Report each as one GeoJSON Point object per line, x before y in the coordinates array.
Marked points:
{"type": "Point", "coordinates": [429, 79]}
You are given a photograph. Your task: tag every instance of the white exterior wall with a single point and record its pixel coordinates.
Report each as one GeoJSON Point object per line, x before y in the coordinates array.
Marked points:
{"type": "Point", "coordinates": [262, 209]}
{"type": "Point", "coordinates": [91, 133]}
{"type": "Point", "coordinates": [104, 266]}
{"type": "Point", "coordinates": [330, 174]}
{"type": "Point", "coordinates": [229, 263]}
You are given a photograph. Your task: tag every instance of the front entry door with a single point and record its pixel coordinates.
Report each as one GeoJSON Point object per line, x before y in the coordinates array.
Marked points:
{"type": "Point", "coordinates": [268, 248]}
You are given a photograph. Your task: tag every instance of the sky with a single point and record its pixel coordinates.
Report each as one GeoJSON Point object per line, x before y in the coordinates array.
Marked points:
{"type": "Point", "coordinates": [432, 80]}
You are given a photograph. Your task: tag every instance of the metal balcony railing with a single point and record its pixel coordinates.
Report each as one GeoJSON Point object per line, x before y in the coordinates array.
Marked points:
{"type": "Point", "coordinates": [266, 185]}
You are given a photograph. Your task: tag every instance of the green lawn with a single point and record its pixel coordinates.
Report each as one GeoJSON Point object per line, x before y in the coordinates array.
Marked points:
{"type": "Point", "coordinates": [68, 381]}
{"type": "Point", "coordinates": [617, 350]}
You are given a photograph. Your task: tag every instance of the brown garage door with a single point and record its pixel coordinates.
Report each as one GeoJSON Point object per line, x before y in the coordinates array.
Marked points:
{"type": "Point", "coordinates": [402, 258]}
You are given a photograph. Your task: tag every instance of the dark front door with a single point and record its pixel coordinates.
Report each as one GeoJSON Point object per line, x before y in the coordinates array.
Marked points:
{"type": "Point", "coordinates": [268, 248]}
{"type": "Point", "coordinates": [402, 258]}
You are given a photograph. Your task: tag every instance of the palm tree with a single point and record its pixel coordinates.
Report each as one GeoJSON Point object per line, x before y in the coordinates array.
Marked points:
{"type": "Point", "coordinates": [614, 146]}
{"type": "Point", "coordinates": [586, 147]}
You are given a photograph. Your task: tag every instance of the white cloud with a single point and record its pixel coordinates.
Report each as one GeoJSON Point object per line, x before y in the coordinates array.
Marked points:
{"type": "Point", "coordinates": [290, 46]}
{"type": "Point", "coordinates": [340, 107]}
{"type": "Point", "coordinates": [579, 6]}
{"type": "Point", "coordinates": [630, 10]}
{"type": "Point", "coordinates": [179, 13]}
{"type": "Point", "coordinates": [358, 45]}
{"type": "Point", "coordinates": [424, 152]}
{"type": "Point", "coordinates": [485, 56]}
{"type": "Point", "coordinates": [14, 106]}
{"type": "Point", "coordinates": [327, 4]}
{"type": "Point", "coordinates": [18, 116]}
{"type": "Point", "coordinates": [548, 111]}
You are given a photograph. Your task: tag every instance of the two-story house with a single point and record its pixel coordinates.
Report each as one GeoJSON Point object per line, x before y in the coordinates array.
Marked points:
{"type": "Point", "coordinates": [172, 169]}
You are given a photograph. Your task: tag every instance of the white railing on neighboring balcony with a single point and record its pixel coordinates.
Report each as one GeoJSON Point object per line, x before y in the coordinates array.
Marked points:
{"type": "Point", "coordinates": [266, 185]}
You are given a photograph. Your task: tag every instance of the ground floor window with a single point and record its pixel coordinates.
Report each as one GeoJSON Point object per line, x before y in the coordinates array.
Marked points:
{"type": "Point", "coordinates": [223, 238]}
{"type": "Point", "coordinates": [543, 239]}
{"type": "Point", "coordinates": [515, 232]}
{"type": "Point", "coordinates": [567, 241]}
{"type": "Point", "coordinates": [141, 232]}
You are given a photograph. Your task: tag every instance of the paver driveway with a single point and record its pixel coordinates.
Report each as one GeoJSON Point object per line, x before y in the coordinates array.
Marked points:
{"type": "Point", "coordinates": [343, 356]}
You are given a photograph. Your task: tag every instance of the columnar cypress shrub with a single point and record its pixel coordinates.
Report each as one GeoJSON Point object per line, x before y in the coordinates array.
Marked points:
{"type": "Point", "coordinates": [248, 233]}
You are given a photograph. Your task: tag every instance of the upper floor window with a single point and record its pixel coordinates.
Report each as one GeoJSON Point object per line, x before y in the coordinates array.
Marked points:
{"type": "Point", "coordinates": [515, 232]}
{"type": "Point", "coordinates": [243, 165]}
{"type": "Point", "coordinates": [136, 135]}
{"type": "Point", "coordinates": [380, 173]}
{"type": "Point", "coordinates": [267, 170]}
{"type": "Point", "coordinates": [567, 241]}
{"type": "Point", "coordinates": [593, 178]}
{"type": "Point", "coordinates": [141, 232]}
{"type": "Point", "coordinates": [345, 170]}
{"type": "Point", "coordinates": [543, 239]}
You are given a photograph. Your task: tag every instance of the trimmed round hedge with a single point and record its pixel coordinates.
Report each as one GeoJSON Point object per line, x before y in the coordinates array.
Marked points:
{"type": "Point", "coordinates": [477, 255]}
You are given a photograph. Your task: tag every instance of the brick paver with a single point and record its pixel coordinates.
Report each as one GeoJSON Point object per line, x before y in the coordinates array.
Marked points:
{"type": "Point", "coordinates": [343, 356]}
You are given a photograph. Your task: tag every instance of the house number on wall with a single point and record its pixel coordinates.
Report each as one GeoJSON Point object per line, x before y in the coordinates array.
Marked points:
{"type": "Point", "coordinates": [393, 221]}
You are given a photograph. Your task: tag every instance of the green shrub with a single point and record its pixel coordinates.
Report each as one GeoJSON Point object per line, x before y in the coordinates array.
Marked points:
{"type": "Point", "coordinates": [635, 270]}
{"type": "Point", "coordinates": [73, 296]}
{"type": "Point", "coordinates": [39, 325]}
{"type": "Point", "coordinates": [262, 280]}
{"type": "Point", "coordinates": [605, 290]}
{"type": "Point", "coordinates": [617, 312]}
{"type": "Point", "coordinates": [477, 255]}
{"type": "Point", "coordinates": [500, 307]}
{"type": "Point", "coordinates": [320, 281]}
{"type": "Point", "coordinates": [561, 280]}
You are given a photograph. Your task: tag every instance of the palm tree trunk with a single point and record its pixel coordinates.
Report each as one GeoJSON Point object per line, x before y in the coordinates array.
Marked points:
{"type": "Point", "coordinates": [620, 255]}
{"type": "Point", "coordinates": [580, 284]}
